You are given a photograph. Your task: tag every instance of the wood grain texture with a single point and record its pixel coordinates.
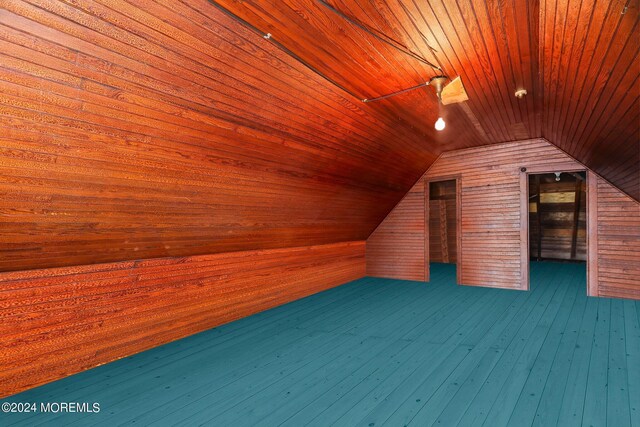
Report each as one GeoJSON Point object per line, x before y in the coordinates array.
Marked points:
{"type": "Point", "coordinates": [132, 131]}
{"type": "Point", "coordinates": [579, 62]}
{"type": "Point", "coordinates": [494, 250]}
{"type": "Point", "coordinates": [490, 206]}
{"type": "Point", "coordinates": [56, 322]}
{"type": "Point", "coordinates": [618, 229]}
{"type": "Point", "coordinates": [590, 66]}
{"type": "Point", "coordinates": [592, 232]}
{"type": "Point", "coordinates": [136, 130]}
{"type": "Point", "coordinates": [506, 358]}
{"type": "Point", "coordinates": [396, 249]}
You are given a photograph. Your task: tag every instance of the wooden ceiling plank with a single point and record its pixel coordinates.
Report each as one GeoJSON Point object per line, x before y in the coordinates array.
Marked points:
{"type": "Point", "coordinates": [419, 110]}
{"type": "Point", "coordinates": [573, 41]}
{"type": "Point", "coordinates": [384, 23]}
{"type": "Point", "coordinates": [616, 80]}
{"type": "Point", "coordinates": [320, 117]}
{"type": "Point", "coordinates": [308, 34]}
{"type": "Point", "coordinates": [392, 65]}
{"type": "Point", "coordinates": [584, 22]}
{"type": "Point", "coordinates": [121, 8]}
{"type": "Point", "coordinates": [593, 54]}
{"type": "Point", "coordinates": [620, 128]}
{"type": "Point", "coordinates": [406, 26]}
{"type": "Point", "coordinates": [523, 63]}
{"type": "Point", "coordinates": [549, 79]}
{"type": "Point", "coordinates": [37, 100]}
{"type": "Point", "coordinates": [503, 34]}
{"type": "Point", "coordinates": [401, 128]}
{"type": "Point", "coordinates": [269, 57]}
{"type": "Point", "coordinates": [450, 42]}
{"type": "Point", "coordinates": [558, 51]}
{"type": "Point", "coordinates": [474, 46]}
{"type": "Point", "coordinates": [274, 76]}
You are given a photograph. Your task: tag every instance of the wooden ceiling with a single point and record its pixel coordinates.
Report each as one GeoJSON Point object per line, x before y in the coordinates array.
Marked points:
{"type": "Point", "coordinates": [578, 61]}
{"type": "Point", "coordinates": [590, 67]}
{"type": "Point", "coordinates": [133, 129]}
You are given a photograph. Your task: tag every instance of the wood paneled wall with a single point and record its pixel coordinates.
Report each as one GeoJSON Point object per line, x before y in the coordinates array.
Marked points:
{"type": "Point", "coordinates": [617, 243]}
{"type": "Point", "coordinates": [396, 248]}
{"type": "Point", "coordinates": [132, 131]}
{"type": "Point", "coordinates": [493, 236]}
{"type": "Point", "coordinates": [490, 206]}
{"type": "Point", "coordinates": [168, 128]}
{"type": "Point", "coordinates": [57, 322]}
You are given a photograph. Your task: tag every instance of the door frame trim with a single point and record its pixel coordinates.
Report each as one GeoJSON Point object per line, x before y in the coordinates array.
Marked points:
{"type": "Point", "coordinates": [591, 221]}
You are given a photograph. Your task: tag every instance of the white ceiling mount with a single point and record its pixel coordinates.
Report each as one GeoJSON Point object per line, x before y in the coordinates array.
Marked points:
{"type": "Point", "coordinates": [520, 93]}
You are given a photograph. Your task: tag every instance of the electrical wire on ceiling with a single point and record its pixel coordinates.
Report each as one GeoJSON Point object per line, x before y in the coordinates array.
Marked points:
{"type": "Point", "coordinates": [269, 36]}
{"type": "Point", "coordinates": [380, 36]}
{"type": "Point", "coordinates": [389, 95]}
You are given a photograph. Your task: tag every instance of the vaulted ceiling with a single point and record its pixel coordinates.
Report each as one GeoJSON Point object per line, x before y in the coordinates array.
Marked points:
{"type": "Point", "coordinates": [134, 129]}
{"type": "Point", "coordinates": [578, 61]}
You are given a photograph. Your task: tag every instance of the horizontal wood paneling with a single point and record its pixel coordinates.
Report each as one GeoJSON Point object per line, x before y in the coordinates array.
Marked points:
{"type": "Point", "coordinates": [396, 249]}
{"type": "Point", "coordinates": [138, 130]}
{"type": "Point", "coordinates": [491, 229]}
{"type": "Point", "coordinates": [490, 206]}
{"type": "Point", "coordinates": [56, 322]}
{"type": "Point", "coordinates": [618, 246]}
{"type": "Point", "coordinates": [131, 131]}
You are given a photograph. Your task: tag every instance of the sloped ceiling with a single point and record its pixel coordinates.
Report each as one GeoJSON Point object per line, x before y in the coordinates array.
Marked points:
{"type": "Point", "coordinates": [578, 61]}
{"type": "Point", "coordinates": [133, 129]}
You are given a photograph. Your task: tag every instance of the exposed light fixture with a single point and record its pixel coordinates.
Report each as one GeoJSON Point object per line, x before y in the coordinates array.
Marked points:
{"type": "Point", "coordinates": [440, 124]}
{"type": "Point", "coordinates": [557, 175]}
{"type": "Point", "coordinates": [520, 93]}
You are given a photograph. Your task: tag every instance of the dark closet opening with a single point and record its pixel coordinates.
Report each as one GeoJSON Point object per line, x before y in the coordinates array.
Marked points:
{"type": "Point", "coordinates": [557, 216]}
{"type": "Point", "coordinates": [443, 222]}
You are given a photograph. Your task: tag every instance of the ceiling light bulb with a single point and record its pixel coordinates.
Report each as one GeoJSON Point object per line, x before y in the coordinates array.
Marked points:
{"type": "Point", "coordinates": [440, 124]}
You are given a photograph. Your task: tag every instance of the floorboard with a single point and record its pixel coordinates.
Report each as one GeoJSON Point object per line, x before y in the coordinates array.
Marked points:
{"type": "Point", "coordinates": [384, 352]}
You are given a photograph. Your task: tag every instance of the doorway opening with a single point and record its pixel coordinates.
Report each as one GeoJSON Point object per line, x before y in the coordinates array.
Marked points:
{"type": "Point", "coordinates": [443, 226]}
{"type": "Point", "coordinates": [558, 221]}
{"type": "Point", "coordinates": [558, 216]}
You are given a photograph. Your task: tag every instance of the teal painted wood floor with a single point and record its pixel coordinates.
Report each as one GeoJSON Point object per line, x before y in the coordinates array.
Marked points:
{"type": "Point", "coordinates": [385, 352]}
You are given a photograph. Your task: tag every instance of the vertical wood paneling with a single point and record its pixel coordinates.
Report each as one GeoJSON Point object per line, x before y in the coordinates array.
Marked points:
{"type": "Point", "coordinates": [397, 247]}
{"type": "Point", "coordinates": [592, 233]}
{"type": "Point", "coordinates": [590, 66]}
{"type": "Point", "coordinates": [578, 61]}
{"type": "Point", "coordinates": [56, 322]}
{"type": "Point", "coordinates": [618, 243]}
